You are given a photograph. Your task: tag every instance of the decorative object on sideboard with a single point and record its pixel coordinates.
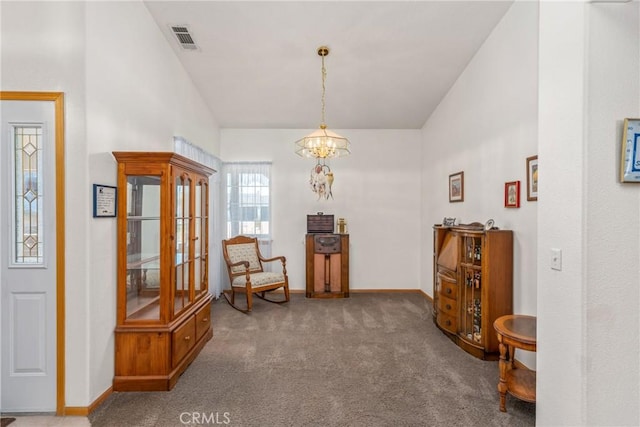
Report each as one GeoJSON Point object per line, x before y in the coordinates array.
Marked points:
{"type": "Point", "coordinates": [320, 223]}
{"type": "Point", "coordinates": [342, 226]}
{"type": "Point", "coordinates": [456, 187]}
{"type": "Point", "coordinates": [323, 143]}
{"type": "Point", "coordinates": [532, 178]}
{"type": "Point", "coordinates": [512, 194]}
{"type": "Point", "coordinates": [448, 221]}
{"type": "Point", "coordinates": [489, 224]}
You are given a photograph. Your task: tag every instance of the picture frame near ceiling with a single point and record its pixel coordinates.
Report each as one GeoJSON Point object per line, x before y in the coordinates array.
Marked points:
{"type": "Point", "coordinates": [532, 178]}
{"type": "Point", "coordinates": [630, 153]}
{"type": "Point", "coordinates": [512, 194]}
{"type": "Point", "coordinates": [456, 187]}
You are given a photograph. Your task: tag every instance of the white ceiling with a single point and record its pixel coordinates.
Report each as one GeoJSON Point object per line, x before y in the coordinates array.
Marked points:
{"type": "Point", "coordinates": [390, 62]}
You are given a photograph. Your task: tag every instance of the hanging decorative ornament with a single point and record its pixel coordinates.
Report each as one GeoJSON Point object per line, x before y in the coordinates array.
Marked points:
{"type": "Point", "coordinates": [321, 181]}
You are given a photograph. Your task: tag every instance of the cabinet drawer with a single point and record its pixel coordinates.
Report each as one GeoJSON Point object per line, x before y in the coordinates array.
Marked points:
{"type": "Point", "coordinates": [182, 340]}
{"type": "Point", "coordinates": [447, 322]}
{"type": "Point", "coordinates": [448, 289]}
{"type": "Point", "coordinates": [203, 321]}
{"type": "Point", "coordinates": [448, 306]}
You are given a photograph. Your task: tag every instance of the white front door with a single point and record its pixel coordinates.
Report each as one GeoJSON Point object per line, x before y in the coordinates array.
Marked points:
{"type": "Point", "coordinates": [27, 256]}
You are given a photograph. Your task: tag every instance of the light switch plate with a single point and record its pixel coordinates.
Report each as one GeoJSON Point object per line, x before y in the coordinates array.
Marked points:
{"type": "Point", "coordinates": [556, 259]}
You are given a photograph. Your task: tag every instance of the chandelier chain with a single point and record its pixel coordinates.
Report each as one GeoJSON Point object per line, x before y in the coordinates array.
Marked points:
{"type": "Point", "coordinates": [324, 76]}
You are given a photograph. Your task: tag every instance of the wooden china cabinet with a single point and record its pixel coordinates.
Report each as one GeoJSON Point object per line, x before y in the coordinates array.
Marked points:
{"type": "Point", "coordinates": [472, 284]}
{"type": "Point", "coordinates": [163, 301]}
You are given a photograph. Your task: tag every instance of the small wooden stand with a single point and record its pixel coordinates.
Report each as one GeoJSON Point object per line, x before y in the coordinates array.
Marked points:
{"type": "Point", "coordinates": [515, 331]}
{"type": "Point", "coordinates": [327, 265]}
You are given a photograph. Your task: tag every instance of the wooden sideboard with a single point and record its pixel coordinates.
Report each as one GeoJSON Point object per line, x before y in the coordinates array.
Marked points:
{"type": "Point", "coordinates": [472, 284]}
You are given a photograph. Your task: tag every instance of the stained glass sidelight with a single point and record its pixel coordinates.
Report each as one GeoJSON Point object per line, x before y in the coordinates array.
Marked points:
{"type": "Point", "coordinates": [28, 215]}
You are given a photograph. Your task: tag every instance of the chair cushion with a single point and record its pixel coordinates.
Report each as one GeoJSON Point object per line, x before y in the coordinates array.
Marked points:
{"type": "Point", "coordinates": [243, 252]}
{"type": "Point", "coordinates": [259, 279]}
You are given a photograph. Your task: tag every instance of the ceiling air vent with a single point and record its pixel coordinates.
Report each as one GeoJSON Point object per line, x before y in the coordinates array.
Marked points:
{"type": "Point", "coordinates": [184, 37]}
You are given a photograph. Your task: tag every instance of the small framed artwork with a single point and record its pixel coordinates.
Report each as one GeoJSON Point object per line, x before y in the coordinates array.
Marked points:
{"type": "Point", "coordinates": [532, 178]}
{"type": "Point", "coordinates": [630, 155]}
{"type": "Point", "coordinates": [456, 187]}
{"type": "Point", "coordinates": [512, 194]}
{"type": "Point", "coordinates": [104, 201]}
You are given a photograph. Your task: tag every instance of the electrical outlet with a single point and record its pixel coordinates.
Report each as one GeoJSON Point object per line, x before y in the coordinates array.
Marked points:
{"type": "Point", "coordinates": [556, 259]}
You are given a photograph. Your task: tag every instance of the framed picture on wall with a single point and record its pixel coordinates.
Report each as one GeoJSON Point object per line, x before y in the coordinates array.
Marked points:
{"type": "Point", "coordinates": [104, 201]}
{"type": "Point", "coordinates": [532, 178]}
{"type": "Point", "coordinates": [630, 155]}
{"type": "Point", "coordinates": [456, 187]}
{"type": "Point", "coordinates": [512, 194]}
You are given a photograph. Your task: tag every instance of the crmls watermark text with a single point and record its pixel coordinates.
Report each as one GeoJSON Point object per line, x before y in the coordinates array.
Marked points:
{"type": "Point", "coordinates": [204, 418]}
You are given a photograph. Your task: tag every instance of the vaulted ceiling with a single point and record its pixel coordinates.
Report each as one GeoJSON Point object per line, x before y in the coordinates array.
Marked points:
{"type": "Point", "coordinates": [390, 63]}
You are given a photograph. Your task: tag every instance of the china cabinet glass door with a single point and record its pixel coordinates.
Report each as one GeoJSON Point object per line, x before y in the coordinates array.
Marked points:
{"type": "Point", "coordinates": [201, 237]}
{"type": "Point", "coordinates": [143, 248]}
{"type": "Point", "coordinates": [471, 292]}
{"type": "Point", "coordinates": [183, 258]}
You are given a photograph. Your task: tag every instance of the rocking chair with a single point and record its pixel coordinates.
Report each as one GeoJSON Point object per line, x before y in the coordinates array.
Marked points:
{"type": "Point", "coordinates": [244, 265]}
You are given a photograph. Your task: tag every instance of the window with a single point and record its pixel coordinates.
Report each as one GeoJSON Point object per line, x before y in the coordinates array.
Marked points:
{"type": "Point", "coordinates": [248, 199]}
{"type": "Point", "coordinates": [28, 244]}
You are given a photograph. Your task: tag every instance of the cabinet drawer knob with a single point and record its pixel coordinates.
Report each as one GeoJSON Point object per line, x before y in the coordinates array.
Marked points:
{"type": "Point", "coordinates": [448, 322]}
{"type": "Point", "coordinates": [448, 306]}
{"type": "Point", "coordinates": [205, 320]}
{"type": "Point", "coordinates": [187, 338]}
{"type": "Point", "coordinates": [448, 290]}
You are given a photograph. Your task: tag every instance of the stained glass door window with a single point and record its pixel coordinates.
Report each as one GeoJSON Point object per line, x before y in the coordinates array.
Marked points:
{"type": "Point", "coordinates": [28, 217]}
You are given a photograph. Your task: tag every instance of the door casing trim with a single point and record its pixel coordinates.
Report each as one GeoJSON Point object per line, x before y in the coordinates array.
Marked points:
{"type": "Point", "coordinates": [58, 100]}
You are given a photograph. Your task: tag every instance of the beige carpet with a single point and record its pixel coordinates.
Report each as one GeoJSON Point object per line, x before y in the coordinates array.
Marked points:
{"type": "Point", "coordinates": [369, 360]}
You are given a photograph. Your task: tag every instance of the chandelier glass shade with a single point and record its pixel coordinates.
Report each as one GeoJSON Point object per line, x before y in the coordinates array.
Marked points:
{"type": "Point", "coordinates": [323, 143]}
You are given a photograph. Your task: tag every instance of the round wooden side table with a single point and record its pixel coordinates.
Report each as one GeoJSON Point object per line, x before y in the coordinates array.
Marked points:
{"type": "Point", "coordinates": [515, 331]}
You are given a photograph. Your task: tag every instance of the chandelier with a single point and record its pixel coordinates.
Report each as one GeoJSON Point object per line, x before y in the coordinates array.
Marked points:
{"type": "Point", "coordinates": [323, 143]}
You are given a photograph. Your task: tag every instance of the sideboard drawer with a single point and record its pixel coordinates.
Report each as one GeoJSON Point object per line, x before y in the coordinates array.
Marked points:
{"type": "Point", "coordinates": [448, 289]}
{"type": "Point", "coordinates": [448, 322]}
{"type": "Point", "coordinates": [183, 339]}
{"type": "Point", "coordinates": [448, 306]}
{"type": "Point", "coordinates": [203, 321]}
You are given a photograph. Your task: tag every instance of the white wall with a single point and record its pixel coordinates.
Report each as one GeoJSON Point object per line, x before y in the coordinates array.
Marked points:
{"type": "Point", "coordinates": [124, 90]}
{"type": "Point", "coordinates": [138, 98]}
{"type": "Point", "coordinates": [376, 190]}
{"type": "Point", "coordinates": [612, 270]}
{"type": "Point", "coordinates": [486, 126]}
{"type": "Point", "coordinates": [561, 213]}
{"type": "Point", "coordinates": [55, 44]}
{"type": "Point", "coordinates": [589, 68]}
